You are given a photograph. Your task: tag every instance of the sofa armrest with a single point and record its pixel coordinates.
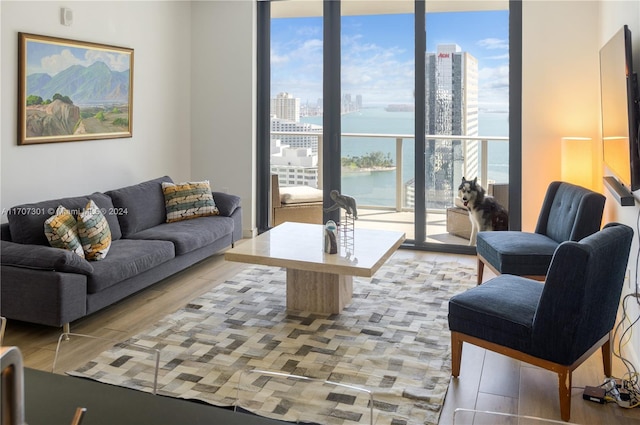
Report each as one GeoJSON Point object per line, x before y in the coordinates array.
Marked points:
{"type": "Point", "coordinates": [39, 257]}
{"type": "Point", "coordinates": [40, 296]}
{"type": "Point", "coordinates": [226, 203]}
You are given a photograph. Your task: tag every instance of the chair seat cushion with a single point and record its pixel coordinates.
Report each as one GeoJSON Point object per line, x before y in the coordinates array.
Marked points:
{"type": "Point", "coordinates": [519, 253]}
{"type": "Point", "coordinates": [500, 311]}
{"type": "Point", "coordinates": [300, 194]}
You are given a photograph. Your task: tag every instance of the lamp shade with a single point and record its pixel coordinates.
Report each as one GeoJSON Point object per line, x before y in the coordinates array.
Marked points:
{"type": "Point", "coordinates": [577, 161]}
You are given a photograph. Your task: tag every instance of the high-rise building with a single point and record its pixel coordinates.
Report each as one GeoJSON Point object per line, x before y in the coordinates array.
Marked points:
{"type": "Point", "coordinates": [286, 107]}
{"type": "Point", "coordinates": [451, 109]}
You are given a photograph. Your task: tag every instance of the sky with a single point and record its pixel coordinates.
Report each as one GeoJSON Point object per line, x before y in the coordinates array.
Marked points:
{"type": "Point", "coordinates": [378, 51]}
{"type": "Point", "coordinates": [52, 58]}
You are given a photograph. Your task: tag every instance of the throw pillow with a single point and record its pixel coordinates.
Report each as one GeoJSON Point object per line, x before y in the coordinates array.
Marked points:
{"type": "Point", "coordinates": [61, 231]}
{"type": "Point", "coordinates": [188, 200]}
{"type": "Point", "coordinates": [94, 232]}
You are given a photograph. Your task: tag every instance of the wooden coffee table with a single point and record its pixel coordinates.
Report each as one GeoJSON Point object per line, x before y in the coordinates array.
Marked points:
{"type": "Point", "coordinates": [317, 281]}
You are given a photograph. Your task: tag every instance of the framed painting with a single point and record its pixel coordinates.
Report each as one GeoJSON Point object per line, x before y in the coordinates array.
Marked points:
{"type": "Point", "coordinates": [72, 90]}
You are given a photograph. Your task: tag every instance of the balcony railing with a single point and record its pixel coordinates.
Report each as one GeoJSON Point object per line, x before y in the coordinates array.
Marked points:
{"type": "Point", "coordinates": [478, 166]}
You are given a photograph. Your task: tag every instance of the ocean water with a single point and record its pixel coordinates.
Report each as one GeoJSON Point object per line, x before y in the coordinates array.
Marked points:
{"type": "Point", "coordinates": [377, 188]}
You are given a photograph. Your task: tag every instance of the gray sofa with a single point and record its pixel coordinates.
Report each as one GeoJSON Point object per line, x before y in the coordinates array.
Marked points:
{"type": "Point", "coordinates": [52, 286]}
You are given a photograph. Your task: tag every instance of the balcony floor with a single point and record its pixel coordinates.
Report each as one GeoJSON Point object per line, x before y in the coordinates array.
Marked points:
{"type": "Point", "coordinates": [403, 222]}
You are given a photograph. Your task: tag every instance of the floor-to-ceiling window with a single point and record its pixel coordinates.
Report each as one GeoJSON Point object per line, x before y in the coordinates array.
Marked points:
{"type": "Point", "coordinates": [464, 92]}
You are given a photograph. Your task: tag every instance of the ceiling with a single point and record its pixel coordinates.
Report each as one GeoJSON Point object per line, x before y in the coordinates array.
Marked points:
{"type": "Point", "coordinates": [309, 8]}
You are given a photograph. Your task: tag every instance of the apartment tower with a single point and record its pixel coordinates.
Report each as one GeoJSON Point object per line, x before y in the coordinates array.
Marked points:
{"type": "Point", "coordinates": [451, 109]}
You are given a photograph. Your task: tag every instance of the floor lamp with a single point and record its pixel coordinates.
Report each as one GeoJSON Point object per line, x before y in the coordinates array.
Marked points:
{"type": "Point", "coordinates": [577, 161]}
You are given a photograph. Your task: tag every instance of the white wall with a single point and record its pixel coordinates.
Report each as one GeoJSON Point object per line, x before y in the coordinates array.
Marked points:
{"type": "Point", "coordinates": [615, 14]}
{"type": "Point", "coordinates": [159, 33]}
{"type": "Point", "coordinates": [560, 90]}
{"type": "Point", "coordinates": [561, 97]}
{"type": "Point", "coordinates": [223, 99]}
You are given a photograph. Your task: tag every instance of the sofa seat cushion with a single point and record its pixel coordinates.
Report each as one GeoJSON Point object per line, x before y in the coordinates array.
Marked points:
{"type": "Point", "coordinates": [189, 235]}
{"type": "Point", "coordinates": [507, 255]}
{"type": "Point", "coordinates": [128, 258]}
{"type": "Point", "coordinates": [501, 310]}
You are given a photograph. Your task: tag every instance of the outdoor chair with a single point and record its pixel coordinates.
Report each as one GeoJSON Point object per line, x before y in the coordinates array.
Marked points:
{"type": "Point", "coordinates": [555, 325]}
{"type": "Point", "coordinates": [300, 204]}
{"type": "Point", "coordinates": [569, 213]}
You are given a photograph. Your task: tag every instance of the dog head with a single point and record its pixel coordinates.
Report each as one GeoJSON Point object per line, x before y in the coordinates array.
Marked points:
{"type": "Point", "coordinates": [469, 191]}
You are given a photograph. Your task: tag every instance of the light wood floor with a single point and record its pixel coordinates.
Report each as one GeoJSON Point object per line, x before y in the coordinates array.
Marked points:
{"type": "Point", "coordinates": [488, 381]}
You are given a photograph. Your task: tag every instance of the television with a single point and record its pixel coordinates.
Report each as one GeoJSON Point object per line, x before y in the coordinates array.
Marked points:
{"type": "Point", "coordinates": [620, 116]}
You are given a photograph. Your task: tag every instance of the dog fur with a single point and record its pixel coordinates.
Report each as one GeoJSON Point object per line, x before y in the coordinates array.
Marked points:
{"type": "Point", "coordinates": [485, 213]}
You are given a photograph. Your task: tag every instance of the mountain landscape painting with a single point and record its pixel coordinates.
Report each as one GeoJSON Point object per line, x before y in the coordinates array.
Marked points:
{"type": "Point", "coordinates": [71, 90]}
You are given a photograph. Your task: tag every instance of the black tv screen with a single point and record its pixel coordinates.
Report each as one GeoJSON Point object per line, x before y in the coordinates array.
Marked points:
{"type": "Point", "coordinates": [619, 107]}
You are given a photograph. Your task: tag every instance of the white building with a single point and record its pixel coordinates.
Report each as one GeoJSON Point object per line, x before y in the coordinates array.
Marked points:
{"type": "Point", "coordinates": [294, 166]}
{"type": "Point", "coordinates": [298, 138]}
{"type": "Point", "coordinates": [286, 107]}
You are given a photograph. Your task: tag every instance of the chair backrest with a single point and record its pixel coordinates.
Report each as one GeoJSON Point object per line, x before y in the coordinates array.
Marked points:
{"type": "Point", "coordinates": [581, 294]}
{"type": "Point", "coordinates": [570, 212]}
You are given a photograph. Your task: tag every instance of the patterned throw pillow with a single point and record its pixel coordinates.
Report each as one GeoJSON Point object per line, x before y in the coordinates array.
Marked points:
{"type": "Point", "coordinates": [188, 200]}
{"type": "Point", "coordinates": [61, 231]}
{"type": "Point", "coordinates": [94, 232]}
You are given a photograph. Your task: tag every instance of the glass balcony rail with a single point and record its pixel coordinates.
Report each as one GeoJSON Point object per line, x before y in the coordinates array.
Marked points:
{"type": "Point", "coordinates": [473, 160]}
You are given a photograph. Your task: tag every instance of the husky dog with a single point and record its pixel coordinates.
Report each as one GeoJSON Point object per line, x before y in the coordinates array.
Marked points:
{"type": "Point", "coordinates": [484, 212]}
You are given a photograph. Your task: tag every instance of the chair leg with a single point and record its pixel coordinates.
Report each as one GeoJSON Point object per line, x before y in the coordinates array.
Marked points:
{"type": "Point", "coordinates": [456, 354]}
{"type": "Point", "coordinates": [564, 389]}
{"type": "Point", "coordinates": [480, 271]}
{"type": "Point", "coordinates": [606, 356]}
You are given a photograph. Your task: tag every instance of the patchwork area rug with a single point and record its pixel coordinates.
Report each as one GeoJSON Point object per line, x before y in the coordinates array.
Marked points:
{"type": "Point", "coordinates": [392, 340]}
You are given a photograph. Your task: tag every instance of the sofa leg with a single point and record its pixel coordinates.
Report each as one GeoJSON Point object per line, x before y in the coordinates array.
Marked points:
{"type": "Point", "coordinates": [66, 330]}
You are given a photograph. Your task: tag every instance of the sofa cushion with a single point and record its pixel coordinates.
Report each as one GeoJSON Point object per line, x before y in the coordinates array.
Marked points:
{"type": "Point", "coordinates": [188, 200]}
{"type": "Point", "coordinates": [110, 212]}
{"type": "Point", "coordinates": [142, 205]}
{"type": "Point", "coordinates": [38, 257]}
{"type": "Point", "coordinates": [61, 230]}
{"type": "Point", "coordinates": [26, 221]}
{"type": "Point", "coordinates": [127, 258]}
{"type": "Point", "coordinates": [226, 203]}
{"type": "Point", "coordinates": [94, 233]}
{"type": "Point", "coordinates": [189, 235]}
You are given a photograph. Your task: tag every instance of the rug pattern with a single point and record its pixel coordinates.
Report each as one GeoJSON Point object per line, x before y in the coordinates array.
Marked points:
{"type": "Point", "coordinates": [393, 340]}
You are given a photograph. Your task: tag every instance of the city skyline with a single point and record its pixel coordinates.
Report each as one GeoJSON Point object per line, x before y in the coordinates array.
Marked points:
{"type": "Point", "coordinates": [379, 64]}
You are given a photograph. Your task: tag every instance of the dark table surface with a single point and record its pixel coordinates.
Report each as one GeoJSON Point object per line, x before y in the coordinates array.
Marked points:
{"type": "Point", "coordinates": [52, 399]}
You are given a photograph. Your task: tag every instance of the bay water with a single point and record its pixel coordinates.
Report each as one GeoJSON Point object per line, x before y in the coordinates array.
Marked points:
{"type": "Point", "coordinates": [377, 188]}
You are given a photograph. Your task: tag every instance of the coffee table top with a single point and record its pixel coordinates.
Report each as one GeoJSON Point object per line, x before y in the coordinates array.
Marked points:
{"type": "Point", "coordinates": [300, 246]}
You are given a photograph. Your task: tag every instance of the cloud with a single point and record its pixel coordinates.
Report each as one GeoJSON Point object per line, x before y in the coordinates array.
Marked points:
{"type": "Point", "coordinates": [494, 43]}
{"type": "Point", "coordinates": [493, 93]}
{"type": "Point", "coordinates": [497, 57]}
{"type": "Point", "coordinates": [115, 61]}
{"type": "Point", "coordinates": [53, 64]}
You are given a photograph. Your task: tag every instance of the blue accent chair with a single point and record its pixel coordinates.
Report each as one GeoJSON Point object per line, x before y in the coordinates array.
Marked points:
{"type": "Point", "coordinates": [555, 325]}
{"type": "Point", "coordinates": [569, 213]}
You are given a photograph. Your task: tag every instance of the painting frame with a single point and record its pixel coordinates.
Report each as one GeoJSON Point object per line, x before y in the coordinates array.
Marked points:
{"type": "Point", "coordinates": [71, 90]}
